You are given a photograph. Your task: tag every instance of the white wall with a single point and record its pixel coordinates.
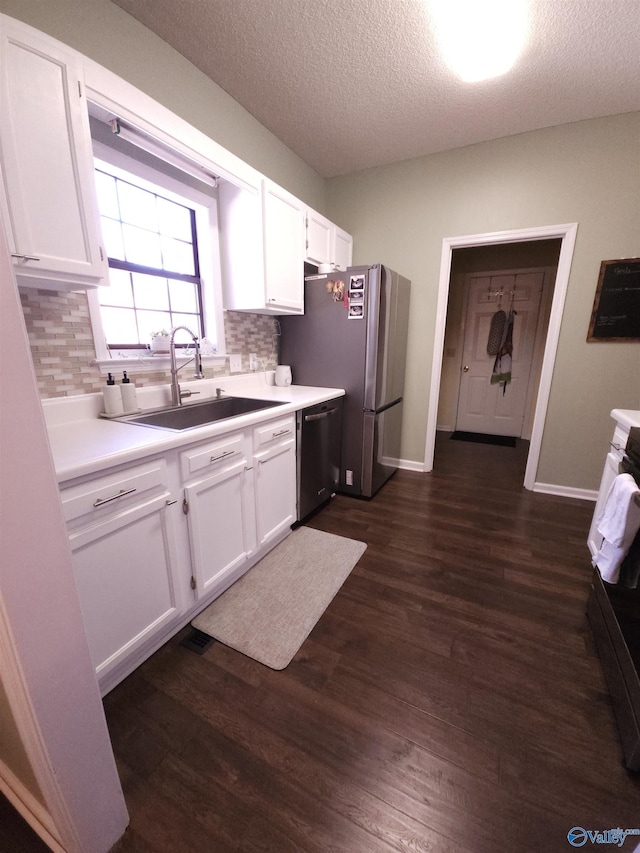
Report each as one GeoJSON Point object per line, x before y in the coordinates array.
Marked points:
{"type": "Point", "coordinates": [48, 679]}
{"type": "Point", "coordinates": [585, 172]}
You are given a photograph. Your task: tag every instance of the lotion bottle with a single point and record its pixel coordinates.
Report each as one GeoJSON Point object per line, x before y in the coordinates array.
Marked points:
{"type": "Point", "coordinates": [129, 394]}
{"type": "Point", "coordinates": [112, 398]}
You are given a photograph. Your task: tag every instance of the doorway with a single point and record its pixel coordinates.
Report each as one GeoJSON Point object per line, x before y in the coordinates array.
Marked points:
{"type": "Point", "coordinates": [488, 402]}
{"type": "Point", "coordinates": [484, 404]}
{"type": "Point", "coordinates": [441, 365]}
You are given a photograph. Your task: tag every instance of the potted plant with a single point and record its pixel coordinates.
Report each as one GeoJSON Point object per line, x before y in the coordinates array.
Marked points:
{"type": "Point", "coordinates": [160, 341]}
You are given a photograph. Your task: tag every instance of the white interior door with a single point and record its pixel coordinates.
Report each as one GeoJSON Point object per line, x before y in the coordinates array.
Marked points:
{"type": "Point", "coordinates": [483, 407]}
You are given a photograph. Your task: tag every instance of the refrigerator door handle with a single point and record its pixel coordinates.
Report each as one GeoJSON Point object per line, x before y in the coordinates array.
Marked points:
{"type": "Point", "coordinates": [386, 406]}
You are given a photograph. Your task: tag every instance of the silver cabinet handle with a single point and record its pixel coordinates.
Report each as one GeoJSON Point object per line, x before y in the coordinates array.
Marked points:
{"type": "Point", "coordinates": [121, 494]}
{"type": "Point", "coordinates": [171, 503]}
{"type": "Point", "coordinates": [282, 432]}
{"type": "Point", "coordinates": [20, 257]}
{"type": "Point", "coordinates": [222, 455]}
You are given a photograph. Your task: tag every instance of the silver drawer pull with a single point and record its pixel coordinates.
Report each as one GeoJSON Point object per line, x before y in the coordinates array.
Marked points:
{"type": "Point", "coordinates": [222, 455]}
{"type": "Point", "coordinates": [282, 432]}
{"type": "Point", "coordinates": [20, 257]}
{"type": "Point", "coordinates": [121, 494]}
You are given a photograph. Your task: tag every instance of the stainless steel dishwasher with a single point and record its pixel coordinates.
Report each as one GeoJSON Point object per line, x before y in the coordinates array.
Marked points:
{"type": "Point", "coordinates": [319, 433]}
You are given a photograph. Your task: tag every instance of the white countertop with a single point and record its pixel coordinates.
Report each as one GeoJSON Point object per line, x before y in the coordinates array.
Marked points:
{"type": "Point", "coordinates": [82, 443]}
{"type": "Point", "coordinates": [627, 417]}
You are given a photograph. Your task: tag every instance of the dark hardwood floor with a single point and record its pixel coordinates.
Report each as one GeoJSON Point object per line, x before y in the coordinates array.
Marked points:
{"type": "Point", "coordinates": [449, 699]}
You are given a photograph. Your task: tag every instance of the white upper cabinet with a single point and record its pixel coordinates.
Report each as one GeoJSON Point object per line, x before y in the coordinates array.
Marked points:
{"type": "Point", "coordinates": [48, 194]}
{"type": "Point", "coordinates": [263, 248]}
{"type": "Point", "coordinates": [326, 243]}
{"type": "Point", "coordinates": [319, 238]}
{"type": "Point", "coordinates": [284, 230]}
{"type": "Point", "coordinates": [262, 238]}
{"type": "Point", "coordinates": [343, 249]}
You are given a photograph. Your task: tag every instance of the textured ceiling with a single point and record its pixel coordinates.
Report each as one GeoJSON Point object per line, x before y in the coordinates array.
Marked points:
{"type": "Point", "coordinates": [350, 84]}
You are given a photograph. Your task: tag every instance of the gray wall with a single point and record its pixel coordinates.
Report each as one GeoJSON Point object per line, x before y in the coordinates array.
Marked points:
{"type": "Point", "coordinates": [587, 172]}
{"type": "Point", "coordinates": [111, 37]}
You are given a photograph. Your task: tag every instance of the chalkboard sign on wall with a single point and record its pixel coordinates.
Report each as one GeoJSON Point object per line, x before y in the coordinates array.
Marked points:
{"type": "Point", "coordinates": [616, 308]}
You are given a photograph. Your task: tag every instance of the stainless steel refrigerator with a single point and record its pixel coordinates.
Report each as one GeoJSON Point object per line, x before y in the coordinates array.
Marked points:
{"type": "Point", "coordinates": [353, 335]}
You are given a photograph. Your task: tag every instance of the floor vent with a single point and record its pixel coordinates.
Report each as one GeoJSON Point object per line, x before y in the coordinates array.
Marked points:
{"type": "Point", "coordinates": [198, 641]}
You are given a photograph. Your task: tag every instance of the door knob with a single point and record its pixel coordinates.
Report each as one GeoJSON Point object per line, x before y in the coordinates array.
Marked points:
{"type": "Point", "coordinates": [465, 369]}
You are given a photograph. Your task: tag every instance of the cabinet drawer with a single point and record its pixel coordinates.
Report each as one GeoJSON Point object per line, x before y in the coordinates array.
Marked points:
{"type": "Point", "coordinates": [280, 430]}
{"type": "Point", "coordinates": [212, 455]}
{"type": "Point", "coordinates": [112, 491]}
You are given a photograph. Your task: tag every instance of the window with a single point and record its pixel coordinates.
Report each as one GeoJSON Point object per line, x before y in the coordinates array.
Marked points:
{"type": "Point", "coordinates": [160, 236]}
{"type": "Point", "coordinates": [154, 270]}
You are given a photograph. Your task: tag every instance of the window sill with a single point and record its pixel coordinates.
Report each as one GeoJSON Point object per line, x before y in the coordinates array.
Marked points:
{"type": "Point", "coordinates": [142, 361]}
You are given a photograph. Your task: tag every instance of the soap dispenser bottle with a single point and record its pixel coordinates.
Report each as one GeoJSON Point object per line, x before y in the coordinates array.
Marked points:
{"type": "Point", "coordinates": [129, 394]}
{"type": "Point", "coordinates": [112, 398]}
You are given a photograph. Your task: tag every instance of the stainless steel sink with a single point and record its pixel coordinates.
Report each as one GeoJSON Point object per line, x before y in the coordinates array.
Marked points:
{"type": "Point", "coordinates": [198, 414]}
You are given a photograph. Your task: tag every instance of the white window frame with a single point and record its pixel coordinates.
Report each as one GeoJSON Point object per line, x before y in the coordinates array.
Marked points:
{"type": "Point", "coordinates": [206, 208]}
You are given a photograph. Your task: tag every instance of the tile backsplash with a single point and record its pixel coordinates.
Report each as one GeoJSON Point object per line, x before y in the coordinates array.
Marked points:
{"type": "Point", "coordinates": [63, 353]}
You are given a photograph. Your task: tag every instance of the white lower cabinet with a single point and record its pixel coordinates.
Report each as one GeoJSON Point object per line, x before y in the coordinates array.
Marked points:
{"type": "Point", "coordinates": [238, 500]}
{"type": "Point", "coordinates": [154, 542]}
{"type": "Point", "coordinates": [219, 509]}
{"type": "Point", "coordinates": [121, 531]}
{"type": "Point", "coordinates": [274, 466]}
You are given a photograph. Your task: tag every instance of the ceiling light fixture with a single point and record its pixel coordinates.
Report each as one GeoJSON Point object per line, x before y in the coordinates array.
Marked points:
{"type": "Point", "coordinates": [480, 39]}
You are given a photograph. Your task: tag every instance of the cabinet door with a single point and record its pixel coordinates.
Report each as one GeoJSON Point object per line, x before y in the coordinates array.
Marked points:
{"type": "Point", "coordinates": [343, 249]}
{"type": "Point", "coordinates": [275, 489]}
{"type": "Point", "coordinates": [320, 234]}
{"type": "Point", "coordinates": [49, 201]}
{"type": "Point", "coordinates": [284, 241]}
{"type": "Point", "coordinates": [125, 574]}
{"type": "Point", "coordinates": [241, 248]}
{"type": "Point", "coordinates": [221, 526]}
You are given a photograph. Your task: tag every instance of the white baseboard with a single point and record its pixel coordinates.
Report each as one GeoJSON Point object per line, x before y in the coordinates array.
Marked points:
{"type": "Point", "coordinates": [543, 488]}
{"type": "Point", "coordinates": [410, 465]}
{"type": "Point", "coordinates": [566, 491]}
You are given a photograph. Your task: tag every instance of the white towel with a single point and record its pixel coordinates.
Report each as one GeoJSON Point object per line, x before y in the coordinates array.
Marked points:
{"type": "Point", "coordinates": [618, 523]}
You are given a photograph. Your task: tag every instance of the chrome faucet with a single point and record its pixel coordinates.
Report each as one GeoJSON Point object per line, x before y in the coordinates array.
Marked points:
{"type": "Point", "coordinates": [176, 393]}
